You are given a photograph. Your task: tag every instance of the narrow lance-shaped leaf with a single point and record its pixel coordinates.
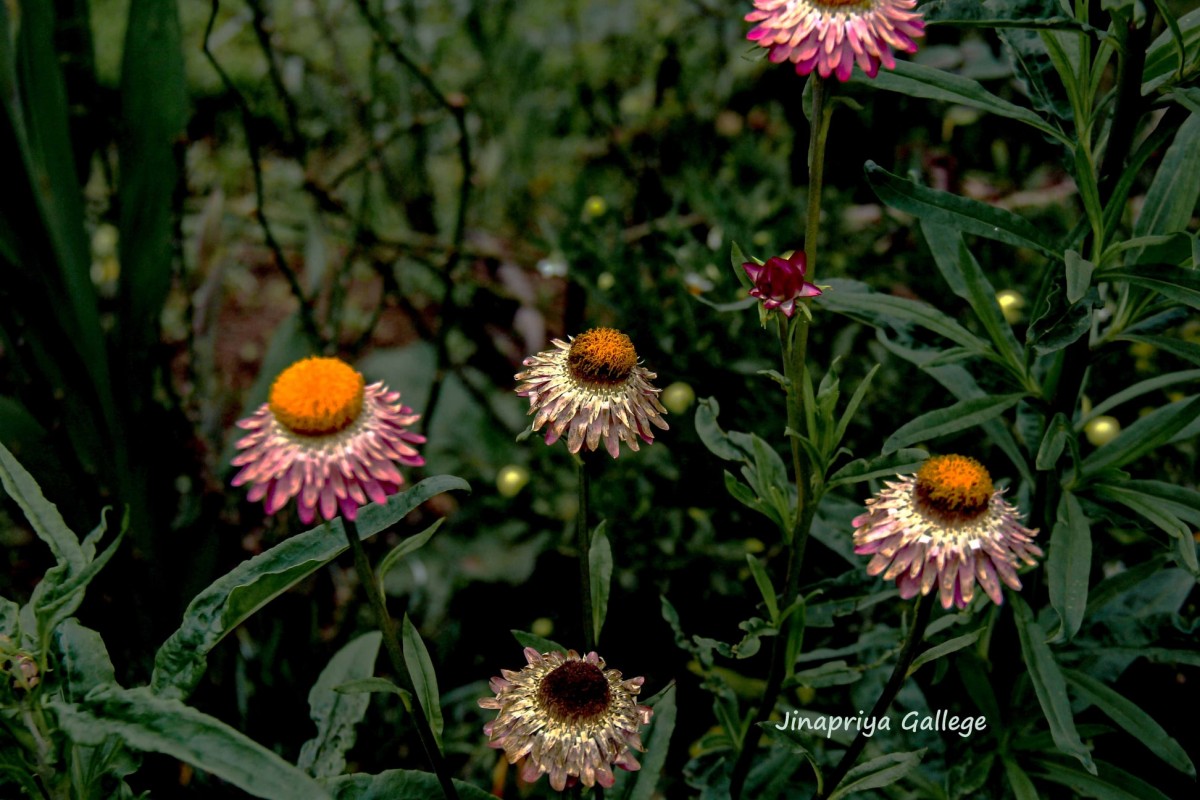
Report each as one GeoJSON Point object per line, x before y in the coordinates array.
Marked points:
{"type": "Point", "coordinates": [1143, 436]}
{"type": "Point", "coordinates": [1048, 684]}
{"type": "Point", "coordinates": [600, 566]}
{"type": "Point", "coordinates": [420, 669]}
{"type": "Point", "coordinates": [1068, 566]}
{"type": "Point", "coordinates": [877, 773]}
{"type": "Point", "coordinates": [658, 740]}
{"type": "Point", "coordinates": [960, 416]}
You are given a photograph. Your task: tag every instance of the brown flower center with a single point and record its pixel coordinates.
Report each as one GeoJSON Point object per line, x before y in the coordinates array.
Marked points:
{"type": "Point", "coordinates": [956, 488]}
{"type": "Point", "coordinates": [601, 355]}
{"type": "Point", "coordinates": [839, 3]}
{"type": "Point", "coordinates": [576, 690]}
{"type": "Point", "coordinates": [317, 396]}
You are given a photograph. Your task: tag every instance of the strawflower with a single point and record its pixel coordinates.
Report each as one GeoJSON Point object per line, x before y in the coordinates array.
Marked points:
{"type": "Point", "coordinates": [780, 282]}
{"type": "Point", "coordinates": [947, 527]}
{"type": "Point", "coordinates": [592, 388]}
{"type": "Point", "coordinates": [568, 717]}
{"type": "Point", "coordinates": [327, 439]}
{"type": "Point", "coordinates": [831, 35]}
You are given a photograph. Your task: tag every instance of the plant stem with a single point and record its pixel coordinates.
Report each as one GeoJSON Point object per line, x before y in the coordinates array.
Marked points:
{"type": "Point", "coordinates": [366, 576]}
{"type": "Point", "coordinates": [794, 347]}
{"type": "Point", "coordinates": [921, 611]}
{"type": "Point", "coordinates": [583, 543]}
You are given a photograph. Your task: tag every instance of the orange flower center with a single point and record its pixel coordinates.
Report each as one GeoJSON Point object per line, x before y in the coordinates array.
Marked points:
{"type": "Point", "coordinates": [957, 488]}
{"type": "Point", "coordinates": [317, 396]}
{"type": "Point", "coordinates": [576, 690]}
{"type": "Point", "coordinates": [601, 355]}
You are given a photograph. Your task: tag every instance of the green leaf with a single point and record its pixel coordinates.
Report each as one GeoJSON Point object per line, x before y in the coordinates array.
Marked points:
{"type": "Point", "coordinates": [1022, 786]}
{"type": "Point", "coordinates": [960, 416]}
{"type": "Point", "coordinates": [736, 259]}
{"type": "Point", "coordinates": [1143, 436]}
{"type": "Point", "coordinates": [398, 784]}
{"type": "Point", "coordinates": [539, 643]}
{"type": "Point", "coordinates": [1079, 275]}
{"type": "Point", "coordinates": [1137, 390]}
{"type": "Point", "coordinates": [600, 565]}
{"type": "Point", "coordinates": [856, 399]}
{"type": "Point", "coordinates": [658, 740]}
{"type": "Point", "coordinates": [961, 213]}
{"type": "Point", "coordinates": [1069, 566]}
{"type": "Point", "coordinates": [729, 446]}
{"type": "Point", "coordinates": [1048, 684]}
{"type": "Point", "coordinates": [1136, 722]}
{"type": "Point", "coordinates": [944, 649]}
{"type": "Point", "coordinates": [858, 302]}
{"type": "Point", "coordinates": [145, 721]}
{"type": "Point", "coordinates": [1109, 783]}
{"type": "Point", "coordinates": [1059, 323]}
{"type": "Point", "coordinates": [1163, 56]}
{"type": "Point", "coordinates": [901, 462]}
{"type": "Point", "coordinates": [1160, 513]}
{"type": "Point", "coordinates": [1172, 195]}
{"type": "Point", "coordinates": [1053, 442]}
{"type": "Point", "coordinates": [154, 110]}
{"type": "Point", "coordinates": [43, 515]}
{"type": "Point", "coordinates": [764, 587]}
{"type": "Point", "coordinates": [238, 594]}
{"type": "Point", "coordinates": [877, 773]}
{"type": "Point", "coordinates": [335, 713]}
{"type": "Point", "coordinates": [83, 659]}
{"type": "Point", "coordinates": [410, 545]}
{"type": "Point", "coordinates": [374, 686]}
{"type": "Point", "coordinates": [1109, 588]}
{"type": "Point", "coordinates": [915, 80]}
{"type": "Point", "coordinates": [1185, 350]}
{"type": "Point", "coordinates": [1174, 283]}
{"type": "Point", "coordinates": [420, 669]}
{"type": "Point", "coordinates": [967, 279]}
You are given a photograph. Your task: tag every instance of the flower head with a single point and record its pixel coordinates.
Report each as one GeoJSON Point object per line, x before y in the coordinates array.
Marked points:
{"type": "Point", "coordinates": [780, 281]}
{"type": "Point", "coordinates": [592, 388]}
{"type": "Point", "coordinates": [945, 526]}
{"type": "Point", "coordinates": [830, 35]}
{"type": "Point", "coordinates": [568, 717]}
{"type": "Point", "coordinates": [328, 439]}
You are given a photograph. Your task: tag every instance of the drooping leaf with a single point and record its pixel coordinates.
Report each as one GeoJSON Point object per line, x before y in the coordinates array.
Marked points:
{"type": "Point", "coordinates": [229, 600]}
{"type": "Point", "coordinates": [337, 714]}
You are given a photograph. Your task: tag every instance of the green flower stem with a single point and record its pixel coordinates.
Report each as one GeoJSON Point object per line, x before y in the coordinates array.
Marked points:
{"type": "Point", "coordinates": [922, 608]}
{"type": "Point", "coordinates": [583, 543]}
{"type": "Point", "coordinates": [387, 626]}
{"type": "Point", "coordinates": [794, 346]}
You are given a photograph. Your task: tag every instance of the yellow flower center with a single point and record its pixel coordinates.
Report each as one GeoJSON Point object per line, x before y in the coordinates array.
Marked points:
{"type": "Point", "coordinates": [601, 355]}
{"type": "Point", "coordinates": [957, 488]}
{"type": "Point", "coordinates": [317, 396]}
{"type": "Point", "coordinates": [576, 690]}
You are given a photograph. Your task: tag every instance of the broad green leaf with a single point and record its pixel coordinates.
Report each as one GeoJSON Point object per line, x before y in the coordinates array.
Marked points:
{"type": "Point", "coordinates": [398, 784]}
{"type": "Point", "coordinates": [600, 566]}
{"type": "Point", "coordinates": [658, 739]}
{"type": "Point", "coordinates": [765, 588]}
{"type": "Point", "coordinates": [877, 773]}
{"type": "Point", "coordinates": [408, 546]}
{"type": "Point", "coordinates": [150, 723]}
{"type": "Point", "coordinates": [967, 279]}
{"type": "Point", "coordinates": [337, 714]}
{"type": "Point", "coordinates": [915, 80]}
{"type": "Point", "coordinates": [729, 446]}
{"type": "Point", "coordinates": [1136, 722]}
{"type": "Point", "coordinates": [901, 462]}
{"type": "Point", "coordinates": [238, 594]}
{"type": "Point", "coordinates": [539, 643]}
{"type": "Point", "coordinates": [1058, 323]}
{"type": "Point", "coordinates": [960, 416]}
{"type": "Point", "coordinates": [420, 669]}
{"type": "Point", "coordinates": [1109, 783]}
{"type": "Point", "coordinates": [1048, 684]}
{"type": "Point", "coordinates": [1143, 436]}
{"type": "Point", "coordinates": [1137, 390]}
{"type": "Point", "coordinates": [961, 213]}
{"type": "Point", "coordinates": [858, 302]}
{"type": "Point", "coordinates": [43, 515]}
{"type": "Point", "coordinates": [944, 649]}
{"type": "Point", "coordinates": [154, 114]}
{"type": "Point", "coordinates": [83, 659]}
{"type": "Point", "coordinates": [1069, 565]}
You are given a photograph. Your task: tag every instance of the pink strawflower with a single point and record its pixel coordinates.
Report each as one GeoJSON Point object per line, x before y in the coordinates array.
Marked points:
{"type": "Point", "coordinates": [568, 717]}
{"type": "Point", "coordinates": [830, 35]}
{"type": "Point", "coordinates": [326, 439]}
{"type": "Point", "coordinates": [780, 281]}
{"type": "Point", "coordinates": [948, 527]}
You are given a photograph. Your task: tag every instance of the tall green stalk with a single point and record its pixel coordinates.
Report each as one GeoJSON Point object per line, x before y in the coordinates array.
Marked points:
{"type": "Point", "coordinates": [583, 542]}
{"type": "Point", "coordinates": [387, 626]}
